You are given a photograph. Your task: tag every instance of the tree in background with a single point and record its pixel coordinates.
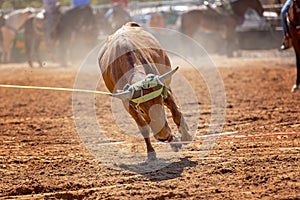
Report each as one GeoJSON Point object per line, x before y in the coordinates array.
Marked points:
{"type": "Point", "coordinates": [16, 4]}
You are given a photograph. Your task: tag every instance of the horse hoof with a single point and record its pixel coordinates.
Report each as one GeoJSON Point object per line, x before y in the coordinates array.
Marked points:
{"type": "Point", "coordinates": [295, 88]}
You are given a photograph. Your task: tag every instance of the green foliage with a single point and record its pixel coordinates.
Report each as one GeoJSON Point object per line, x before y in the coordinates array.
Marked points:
{"type": "Point", "coordinates": [99, 2]}
{"type": "Point", "coordinates": [16, 4]}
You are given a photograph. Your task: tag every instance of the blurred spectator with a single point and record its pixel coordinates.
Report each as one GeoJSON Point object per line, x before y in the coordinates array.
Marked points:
{"type": "Point", "coordinates": [77, 3]}
{"type": "Point", "coordinates": [49, 6]}
{"type": "Point", "coordinates": [157, 20]}
{"type": "Point", "coordinates": [124, 3]}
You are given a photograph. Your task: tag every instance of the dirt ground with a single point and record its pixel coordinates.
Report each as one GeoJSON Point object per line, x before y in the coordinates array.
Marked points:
{"type": "Point", "coordinates": [43, 157]}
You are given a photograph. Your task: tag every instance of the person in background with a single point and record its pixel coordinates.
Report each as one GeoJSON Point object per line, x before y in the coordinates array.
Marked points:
{"type": "Point", "coordinates": [124, 3]}
{"type": "Point", "coordinates": [157, 20]}
{"type": "Point", "coordinates": [49, 7]}
{"type": "Point", "coordinates": [78, 3]}
{"type": "Point", "coordinates": [284, 10]}
{"type": "Point", "coordinates": [115, 3]}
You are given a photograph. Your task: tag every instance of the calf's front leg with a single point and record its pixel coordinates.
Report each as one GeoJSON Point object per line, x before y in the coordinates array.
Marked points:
{"type": "Point", "coordinates": [145, 131]}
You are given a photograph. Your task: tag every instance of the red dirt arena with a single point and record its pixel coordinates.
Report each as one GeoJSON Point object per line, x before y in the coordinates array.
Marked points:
{"type": "Point", "coordinates": [42, 156]}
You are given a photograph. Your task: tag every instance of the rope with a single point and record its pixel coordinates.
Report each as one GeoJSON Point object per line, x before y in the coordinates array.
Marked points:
{"type": "Point", "coordinates": [239, 137]}
{"type": "Point", "coordinates": [188, 142]}
{"type": "Point", "coordinates": [217, 139]}
{"type": "Point", "coordinates": [54, 88]}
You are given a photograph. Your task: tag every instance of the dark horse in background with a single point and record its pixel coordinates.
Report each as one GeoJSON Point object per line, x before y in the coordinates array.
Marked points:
{"type": "Point", "coordinates": [77, 33]}
{"type": "Point", "coordinates": [2, 23]}
{"type": "Point", "coordinates": [210, 20]}
{"type": "Point", "coordinates": [294, 33]}
{"type": "Point", "coordinates": [35, 33]}
{"type": "Point", "coordinates": [2, 19]}
{"type": "Point", "coordinates": [116, 17]}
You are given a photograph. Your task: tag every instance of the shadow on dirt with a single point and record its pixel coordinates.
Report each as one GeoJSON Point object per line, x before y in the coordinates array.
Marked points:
{"type": "Point", "coordinates": [170, 170]}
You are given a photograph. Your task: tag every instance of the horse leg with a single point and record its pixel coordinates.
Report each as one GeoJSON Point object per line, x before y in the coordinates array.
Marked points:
{"type": "Point", "coordinates": [37, 52]}
{"type": "Point", "coordinates": [178, 118]}
{"type": "Point", "coordinates": [296, 86]}
{"type": "Point", "coordinates": [298, 71]}
{"type": "Point", "coordinates": [145, 131]}
{"type": "Point", "coordinates": [231, 42]}
{"type": "Point", "coordinates": [63, 50]}
{"type": "Point", "coordinates": [28, 42]}
{"type": "Point", "coordinates": [3, 56]}
{"type": "Point", "coordinates": [7, 39]}
{"type": "Point", "coordinates": [8, 58]}
{"type": "Point", "coordinates": [76, 48]}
